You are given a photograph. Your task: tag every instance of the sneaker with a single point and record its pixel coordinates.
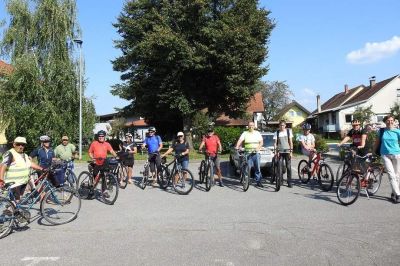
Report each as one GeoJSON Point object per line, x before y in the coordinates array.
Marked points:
{"type": "Point", "coordinates": [221, 184]}
{"type": "Point", "coordinates": [106, 195]}
{"type": "Point", "coordinates": [397, 199]}
{"type": "Point", "coordinates": [393, 198]}
{"type": "Point", "coordinates": [259, 184]}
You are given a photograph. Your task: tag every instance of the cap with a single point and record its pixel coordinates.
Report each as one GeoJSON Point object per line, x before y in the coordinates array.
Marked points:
{"type": "Point", "coordinates": [20, 140]}
{"type": "Point", "coordinates": [65, 138]}
{"type": "Point", "coordinates": [180, 133]}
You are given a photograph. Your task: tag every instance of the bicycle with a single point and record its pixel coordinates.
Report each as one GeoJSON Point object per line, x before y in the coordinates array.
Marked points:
{"type": "Point", "coordinates": [182, 179]}
{"type": "Point", "coordinates": [121, 172]}
{"type": "Point", "coordinates": [306, 169]}
{"type": "Point", "coordinates": [278, 168]}
{"type": "Point", "coordinates": [146, 171]}
{"type": "Point", "coordinates": [354, 179]}
{"type": "Point", "coordinates": [206, 171]}
{"type": "Point", "coordinates": [346, 163]}
{"type": "Point", "coordinates": [87, 183]}
{"type": "Point", "coordinates": [59, 205]}
{"type": "Point", "coordinates": [245, 170]}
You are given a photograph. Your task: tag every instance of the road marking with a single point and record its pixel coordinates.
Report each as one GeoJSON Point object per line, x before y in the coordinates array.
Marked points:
{"type": "Point", "coordinates": [37, 260]}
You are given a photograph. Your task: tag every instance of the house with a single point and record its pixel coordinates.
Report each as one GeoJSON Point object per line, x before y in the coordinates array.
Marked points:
{"type": "Point", "coordinates": [336, 114]}
{"type": "Point", "coordinates": [254, 110]}
{"type": "Point", "coordinates": [293, 113]}
{"type": "Point", "coordinates": [5, 69]}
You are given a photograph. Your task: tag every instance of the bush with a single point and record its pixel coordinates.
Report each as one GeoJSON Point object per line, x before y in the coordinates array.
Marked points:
{"type": "Point", "coordinates": [320, 143]}
{"type": "Point", "coordinates": [228, 136]}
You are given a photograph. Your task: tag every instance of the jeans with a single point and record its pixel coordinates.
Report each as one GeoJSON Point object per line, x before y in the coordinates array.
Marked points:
{"type": "Point", "coordinates": [286, 157]}
{"type": "Point", "coordinates": [184, 164]}
{"type": "Point", "coordinates": [392, 165]}
{"type": "Point", "coordinates": [253, 160]}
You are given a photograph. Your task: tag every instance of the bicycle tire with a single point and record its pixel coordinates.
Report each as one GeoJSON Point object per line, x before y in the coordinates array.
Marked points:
{"type": "Point", "coordinates": [112, 188]}
{"type": "Point", "coordinates": [279, 174]}
{"type": "Point", "coordinates": [374, 180]}
{"type": "Point", "coordinates": [345, 166]}
{"type": "Point", "coordinates": [60, 205]}
{"type": "Point", "coordinates": [348, 189]}
{"type": "Point", "coordinates": [123, 176]}
{"type": "Point", "coordinates": [145, 177]}
{"type": "Point", "coordinates": [245, 177]}
{"type": "Point", "coordinates": [184, 183]}
{"type": "Point", "coordinates": [85, 185]}
{"type": "Point", "coordinates": [209, 177]}
{"type": "Point", "coordinates": [7, 211]}
{"type": "Point", "coordinates": [202, 171]}
{"type": "Point", "coordinates": [163, 177]}
{"type": "Point", "coordinates": [303, 170]}
{"type": "Point", "coordinates": [325, 177]}
{"type": "Point", "coordinates": [70, 179]}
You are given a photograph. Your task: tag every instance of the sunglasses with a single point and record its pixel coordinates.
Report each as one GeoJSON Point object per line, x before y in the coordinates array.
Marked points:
{"type": "Point", "coordinates": [20, 144]}
{"type": "Point", "coordinates": [151, 131]}
{"type": "Point", "coordinates": [64, 140]}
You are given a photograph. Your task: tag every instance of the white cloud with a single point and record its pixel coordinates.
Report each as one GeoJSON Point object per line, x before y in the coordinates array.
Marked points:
{"type": "Point", "coordinates": [373, 52]}
{"type": "Point", "coordinates": [309, 92]}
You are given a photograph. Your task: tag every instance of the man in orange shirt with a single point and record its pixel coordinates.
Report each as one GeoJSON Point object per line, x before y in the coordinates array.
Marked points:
{"type": "Point", "coordinates": [213, 146]}
{"type": "Point", "coordinates": [98, 151]}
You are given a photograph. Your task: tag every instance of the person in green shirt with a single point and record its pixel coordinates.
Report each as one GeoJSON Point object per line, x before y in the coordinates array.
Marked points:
{"type": "Point", "coordinates": [66, 151]}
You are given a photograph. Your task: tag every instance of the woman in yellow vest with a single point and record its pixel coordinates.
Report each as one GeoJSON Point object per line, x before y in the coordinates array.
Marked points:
{"type": "Point", "coordinates": [15, 167]}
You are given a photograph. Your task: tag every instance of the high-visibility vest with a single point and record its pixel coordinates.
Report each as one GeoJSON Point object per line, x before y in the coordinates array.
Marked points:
{"type": "Point", "coordinates": [18, 172]}
{"type": "Point", "coordinates": [251, 141]}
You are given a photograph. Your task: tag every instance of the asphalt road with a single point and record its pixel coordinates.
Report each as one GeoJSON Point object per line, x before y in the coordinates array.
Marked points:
{"type": "Point", "coordinates": [226, 226]}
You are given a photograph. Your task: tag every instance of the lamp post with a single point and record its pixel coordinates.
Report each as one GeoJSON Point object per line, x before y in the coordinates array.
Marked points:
{"type": "Point", "coordinates": [79, 43]}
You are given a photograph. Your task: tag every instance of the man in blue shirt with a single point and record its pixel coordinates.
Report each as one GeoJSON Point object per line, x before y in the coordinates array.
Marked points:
{"type": "Point", "coordinates": [154, 145]}
{"type": "Point", "coordinates": [44, 153]}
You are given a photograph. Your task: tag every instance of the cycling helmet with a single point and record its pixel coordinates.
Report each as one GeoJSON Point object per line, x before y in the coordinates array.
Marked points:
{"type": "Point", "coordinates": [44, 138]}
{"type": "Point", "coordinates": [306, 126]}
{"type": "Point", "coordinates": [101, 133]}
{"type": "Point", "coordinates": [152, 129]}
{"type": "Point", "coordinates": [128, 135]}
{"type": "Point", "coordinates": [210, 129]}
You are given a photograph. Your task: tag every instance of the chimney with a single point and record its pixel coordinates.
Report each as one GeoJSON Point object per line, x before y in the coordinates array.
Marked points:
{"type": "Point", "coordinates": [318, 104]}
{"type": "Point", "coordinates": [372, 81]}
{"type": "Point", "coordinates": [346, 88]}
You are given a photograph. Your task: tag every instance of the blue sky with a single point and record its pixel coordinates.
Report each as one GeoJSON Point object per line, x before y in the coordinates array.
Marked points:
{"type": "Point", "coordinates": [317, 46]}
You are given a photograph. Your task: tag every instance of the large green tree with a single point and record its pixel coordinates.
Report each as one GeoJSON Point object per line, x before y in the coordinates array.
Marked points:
{"type": "Point", "coordinates": [41, 95]}
{"type": "Point", "coordinates": [179, 57]}
{"type": "Point", "coordinates": [276, 95]}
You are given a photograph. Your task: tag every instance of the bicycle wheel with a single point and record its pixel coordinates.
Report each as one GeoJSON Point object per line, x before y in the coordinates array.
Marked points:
{"type": "Point", "coordinates": [145, 177]}
{"type": "Point", "coordinates": [123, 176]}
{"type": "Point", "coordinates": [183, 181]}
{"type": "Point", "coordinates": [340, 171]}
{"type": "Point", "coordinates": [374, 180]}
{"type": "Point", "coordinates": [70, 179]}
{"type": "Point", "coordinates": [325, 177]}
{"type": "Point", "coordinates": [60, 205]}
{"type": "Point", "coordinates": [209, 176]}
{"type": "Point", "coordinates": [7, 211]}
{"type": "Point", "coordinates": [278, 176]}
{"type": "Point", "coordinates": [245, 176]}
{"type": "Point", "coordinates": [304, 171]}
{"type": "Point", "coordinates": [202, 171]}
{"type": "Point", "coordinates": [163, 177]}
{"type": "Point", "coordinates": [110, 193]}
{"type": "Point", "coordinates": [85, 185]}
{"type": "Point", "coordinates": [348, 189]}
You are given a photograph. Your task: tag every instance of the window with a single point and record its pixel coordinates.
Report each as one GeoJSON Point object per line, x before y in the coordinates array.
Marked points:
{"type": "Point", "coordinates": [292, 113]}
{"type": "Point", "coordinates": [299, 113]}
{"type": "Point", "coordinates": [348, 118]}
{"type": "Point", "coordinates": [379, 118]}
{"type": "Point", "coordinates": [398, 92]}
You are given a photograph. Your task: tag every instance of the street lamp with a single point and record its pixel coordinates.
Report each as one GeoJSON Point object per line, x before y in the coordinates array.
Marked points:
{"type": "Point", "coordinates": [79, 43]}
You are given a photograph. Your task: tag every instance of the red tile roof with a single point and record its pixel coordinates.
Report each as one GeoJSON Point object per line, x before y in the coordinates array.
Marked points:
{"type": "Point", "coordinates": [136, 123]}
{"type": "Point", "coordinates": [5, 69]}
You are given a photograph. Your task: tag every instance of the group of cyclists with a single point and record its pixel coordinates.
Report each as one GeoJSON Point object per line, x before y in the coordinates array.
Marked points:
{"type": "Point", "coordinates": [16, 164]}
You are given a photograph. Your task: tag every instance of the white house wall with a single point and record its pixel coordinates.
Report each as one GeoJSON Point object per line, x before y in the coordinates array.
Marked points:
{"type": "Point", "coordinates": [385, 98]}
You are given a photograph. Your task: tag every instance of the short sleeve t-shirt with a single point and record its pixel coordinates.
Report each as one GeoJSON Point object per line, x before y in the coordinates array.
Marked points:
{"type": "Point", "coordinates": [308, 140]}
{"type": "Point", "coordinates": [179, 148]}
{"type": "Point", "coordinates": [283, 143]}
{"type": "Point", "coordinates": [44, 157]}
{"type": "Point", "coordinates": [211, 143]}
{"type": "Point", "coordinates": [390, 142]}
{"type": "Point", "coordinates": [153, 143]}
{"type": "Point", "coordinates": [65, 152]}
{"type": "Point", "coordinates": [100, 150]}
{"type": "Point", "coordinates": [356, 135]}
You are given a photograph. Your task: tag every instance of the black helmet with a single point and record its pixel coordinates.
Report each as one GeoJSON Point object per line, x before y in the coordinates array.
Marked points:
{"type": "Point", "coordinates": [306, 126]}
{"type": "Point", "coordinates": [45, 138]}
{"type": "Point", "coordinates": [101, 133]}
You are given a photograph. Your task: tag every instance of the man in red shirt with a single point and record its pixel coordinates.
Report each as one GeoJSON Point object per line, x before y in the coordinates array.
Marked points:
{"type": "Point", "coordinates": [98, 151]}
{"type": "Point", "coordinates": [213, 146]}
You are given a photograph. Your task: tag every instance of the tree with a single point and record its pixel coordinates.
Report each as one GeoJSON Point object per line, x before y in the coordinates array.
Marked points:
{"type": "Point", "coordinates": [363, 114]}
{"type": "Point", "coordinates": [179, 57]}
{"type": "Point", "coordinates": [395, 110]}
{"type": "Point", "coordinates": [40, 96]}
{"type": "Point", "coordinates": [276, 95]}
